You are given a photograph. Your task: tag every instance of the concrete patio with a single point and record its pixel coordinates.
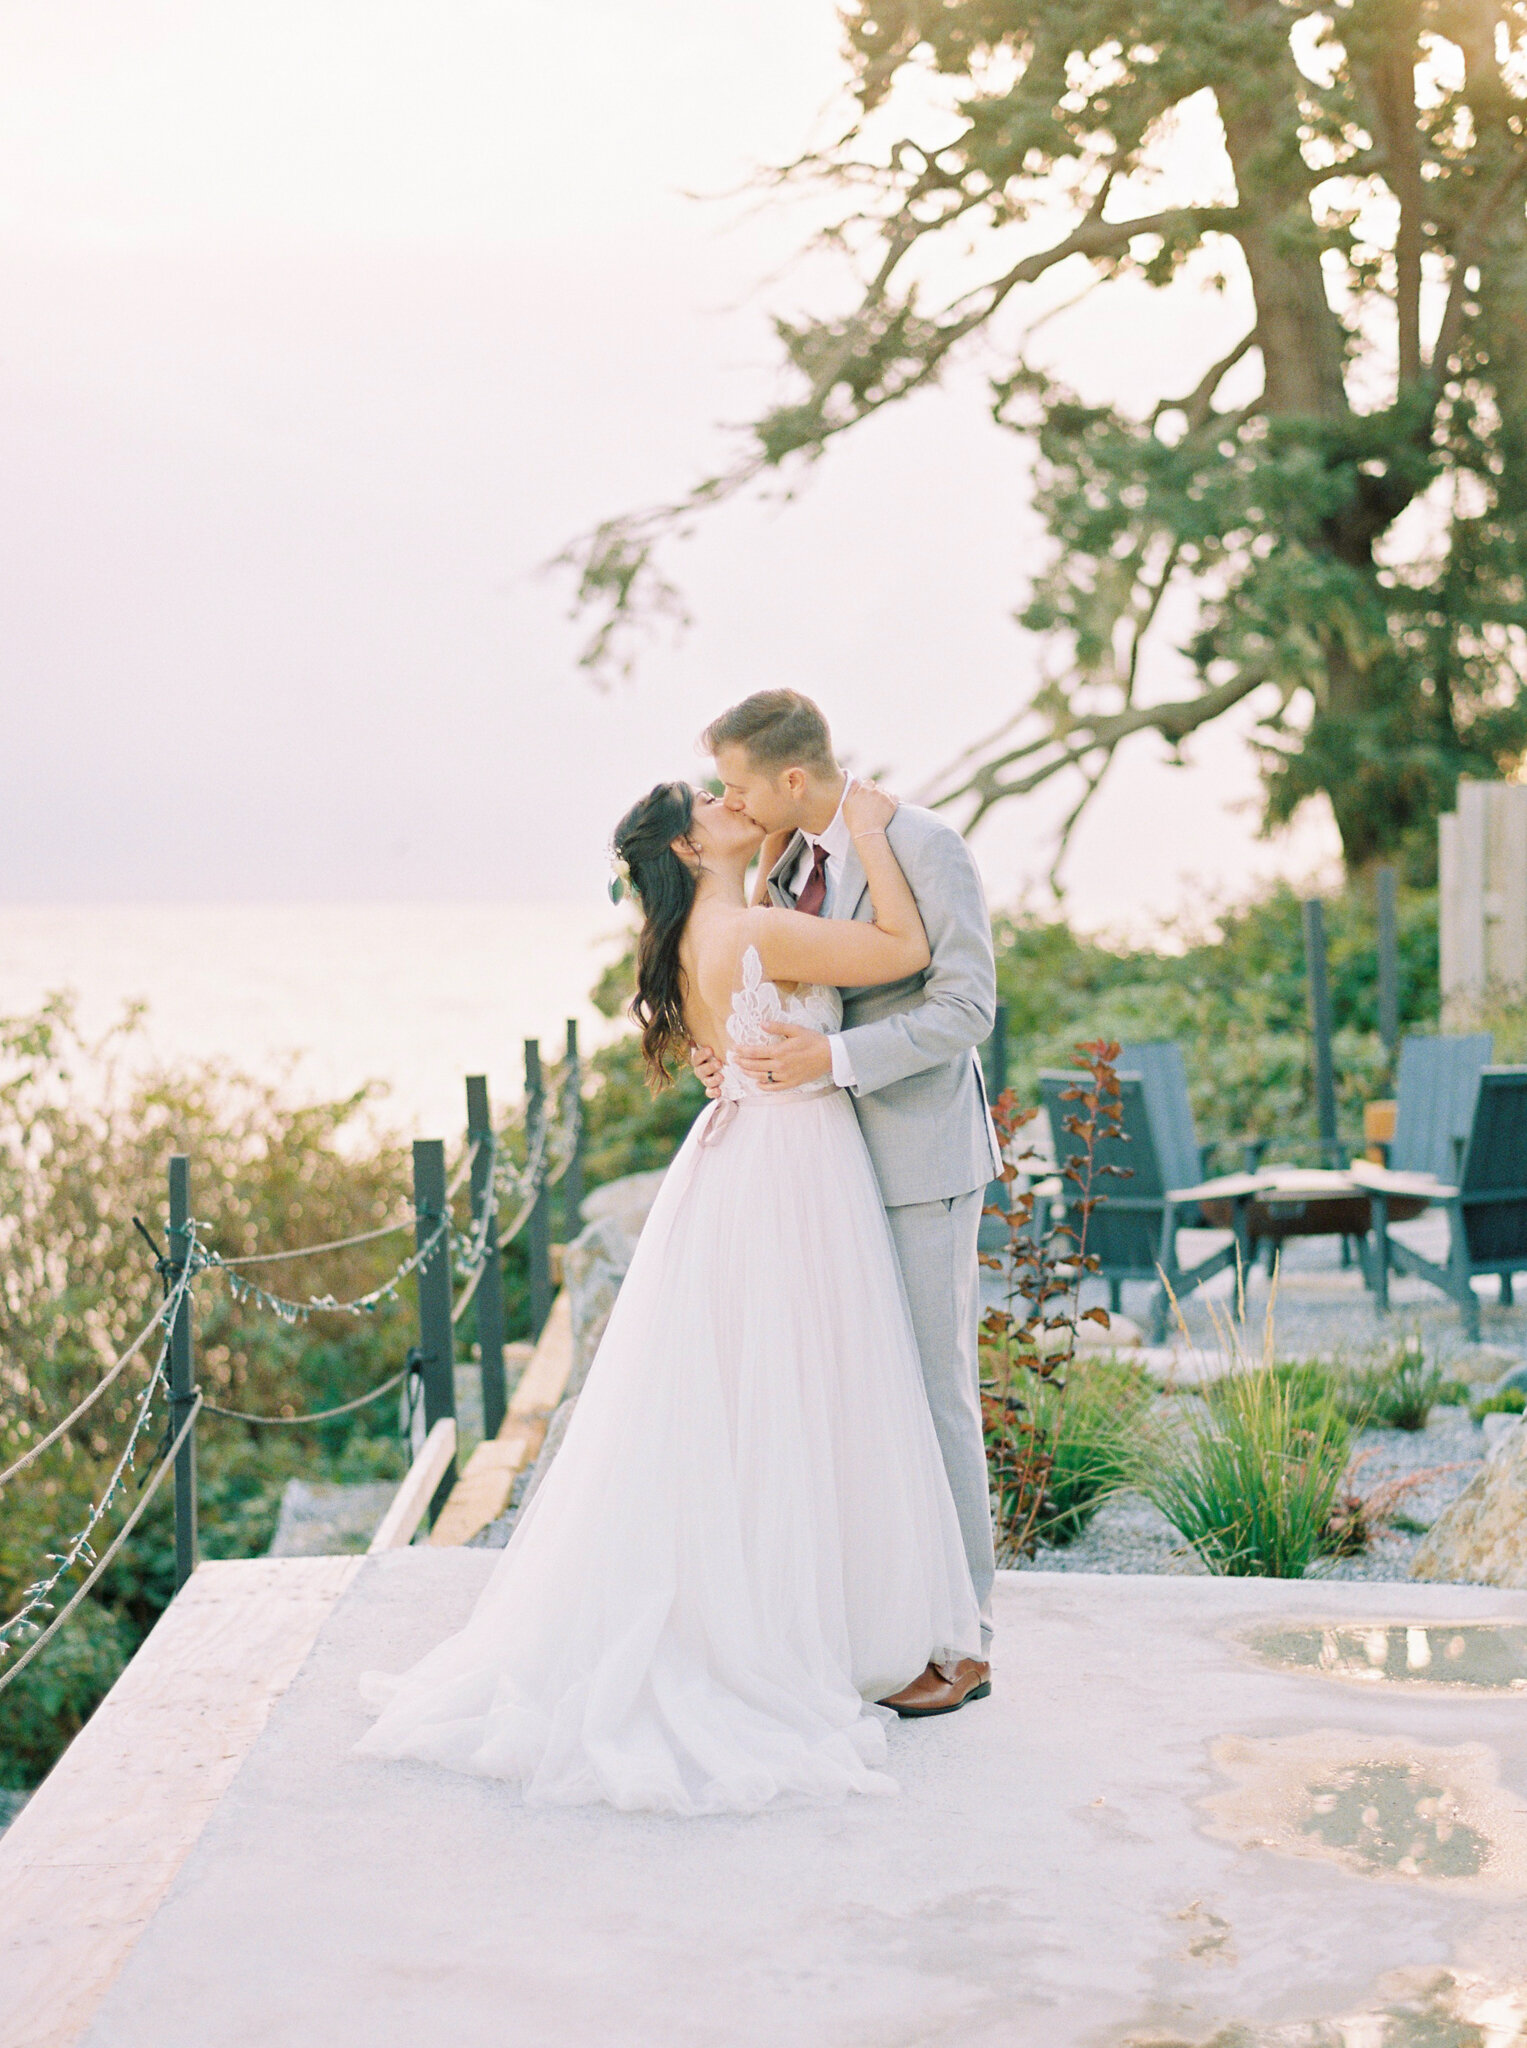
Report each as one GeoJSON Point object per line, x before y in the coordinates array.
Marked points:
{"type": "Point", "coordinates": [1166, 1827]}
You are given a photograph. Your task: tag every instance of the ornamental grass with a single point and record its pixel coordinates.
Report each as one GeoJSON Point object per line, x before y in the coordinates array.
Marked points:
{"type": "Point", "coordinates": [1249, 1476]}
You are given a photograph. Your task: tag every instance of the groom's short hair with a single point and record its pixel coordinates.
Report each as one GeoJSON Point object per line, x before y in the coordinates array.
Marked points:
{"type": "Point", "coordinates": [777, 729]}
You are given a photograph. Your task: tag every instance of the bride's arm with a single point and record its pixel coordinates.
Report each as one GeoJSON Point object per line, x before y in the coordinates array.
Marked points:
{"type": "Point", "coordinates": [769, 856]}
{"type": "Point", "coordinates": [841, 951]}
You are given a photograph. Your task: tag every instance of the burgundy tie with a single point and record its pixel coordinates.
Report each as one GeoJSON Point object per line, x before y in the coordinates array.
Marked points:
{"type": "Point", "coordinates": [814, 894]}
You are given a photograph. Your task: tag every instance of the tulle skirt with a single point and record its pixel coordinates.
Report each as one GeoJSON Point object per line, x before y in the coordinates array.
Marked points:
{"type": "Point", "coordinates": [747, 1536]}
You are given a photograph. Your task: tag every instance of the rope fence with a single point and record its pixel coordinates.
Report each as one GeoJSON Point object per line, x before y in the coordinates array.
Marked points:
{"type": "Point", "coordinates": [474, 1256]}
{"type": "Point", "coordinates": [311, 1251]}
{"type": "Point", "coordinates": [313, 1415]}
{"type": "Point", "coordinates": [37, 1597]}
{"type": "Point", "coordinates": [113, 1373]}
{"type": "Point", "coordinates": [166, 1464]}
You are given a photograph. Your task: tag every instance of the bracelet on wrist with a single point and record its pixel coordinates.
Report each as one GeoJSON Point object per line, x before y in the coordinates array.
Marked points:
{"type": "Point", "coordinates": [878, 832]}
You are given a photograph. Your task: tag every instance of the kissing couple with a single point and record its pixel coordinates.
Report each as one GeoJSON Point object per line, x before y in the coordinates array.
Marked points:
{"type": "Point", "coordinates": [768, 1528]}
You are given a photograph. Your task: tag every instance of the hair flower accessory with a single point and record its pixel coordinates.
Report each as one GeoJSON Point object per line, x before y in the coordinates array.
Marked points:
{"type": "Point", "coordinates": [620, 877]}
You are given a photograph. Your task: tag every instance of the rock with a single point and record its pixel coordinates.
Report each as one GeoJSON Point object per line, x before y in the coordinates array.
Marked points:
{"type": "Point", "coordinates": [329, 1520]}
{"type": "Point", "coordinates": [1497, 1428]}
{"type": "Point", "coordinates": [598, 1258]}
{"type": "Point", "coordinates": [1121, 1335]}
{"type": "Point", "coordinates": [1482, 1538]}
{"type": "Point", "coordinates": [627, 1201]}
{"type": "Point", "coordinates": [593, 1267]}
{"type": "Point", "coordinates": [1484, 1365]}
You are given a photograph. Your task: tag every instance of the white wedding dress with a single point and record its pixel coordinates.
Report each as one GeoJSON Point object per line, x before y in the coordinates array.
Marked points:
{"type": "Point", "coordinates": [747, 1536]}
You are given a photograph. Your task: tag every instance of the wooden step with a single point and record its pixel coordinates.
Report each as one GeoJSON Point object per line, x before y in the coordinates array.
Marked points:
{"type": "Point", "coordinates": [86, 1863]}
{"type": "Point", "coordinates": [482, 1492]}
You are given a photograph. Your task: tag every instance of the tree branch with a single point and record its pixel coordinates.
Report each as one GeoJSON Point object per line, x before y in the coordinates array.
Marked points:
{"type": "Point", "coordinates": [1086, 736]}
{"type": "Point", "coordinates": [1092, 238]}
{"type": "Point", "coordinates": [1470, 251]}
{"type": "Point", "coordinates": [1391, 86]}
{"type": "Point", "coordinates": [1196, 407]}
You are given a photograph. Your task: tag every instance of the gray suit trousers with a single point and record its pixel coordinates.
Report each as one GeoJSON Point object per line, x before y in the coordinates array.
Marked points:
{"type": "Point", "coordinates": [936, 1244]}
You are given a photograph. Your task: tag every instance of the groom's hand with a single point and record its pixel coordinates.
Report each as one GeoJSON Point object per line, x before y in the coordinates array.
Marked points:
{"type": "Point", "coordinates": [796, 1055]}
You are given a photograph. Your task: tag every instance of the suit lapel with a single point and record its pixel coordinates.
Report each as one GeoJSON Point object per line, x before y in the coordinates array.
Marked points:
{"type": "Point", "coordinates": [779, 874]}
{"type": "Point", "coordinates": [852, 886]}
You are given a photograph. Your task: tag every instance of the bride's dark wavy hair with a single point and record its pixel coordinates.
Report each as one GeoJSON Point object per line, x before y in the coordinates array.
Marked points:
{"type": "Point", "coordinates": [665, 888]}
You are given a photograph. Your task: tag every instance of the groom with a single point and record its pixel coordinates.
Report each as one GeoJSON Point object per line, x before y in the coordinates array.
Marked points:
{"type": "Point", "coordinates": [906, 1054]}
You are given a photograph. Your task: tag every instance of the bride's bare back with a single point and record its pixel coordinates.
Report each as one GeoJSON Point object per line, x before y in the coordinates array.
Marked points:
{"type": "Point", "coordinates": [710, 953]}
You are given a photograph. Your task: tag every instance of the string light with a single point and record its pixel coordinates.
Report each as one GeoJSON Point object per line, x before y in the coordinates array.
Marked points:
{"type": "Point", "coordinates": [524, 1185]}
{"type": "Point", "coordinates": [36, 1598]}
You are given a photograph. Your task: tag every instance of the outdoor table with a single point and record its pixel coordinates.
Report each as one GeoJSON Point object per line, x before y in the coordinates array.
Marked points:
{"type": "Point", "coordinates": [1300, 1201]}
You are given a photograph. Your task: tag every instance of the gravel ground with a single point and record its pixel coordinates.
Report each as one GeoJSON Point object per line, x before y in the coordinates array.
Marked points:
{"type": "Point", "coordinates": [1323, 1306]}
{"type": "Point", "coordinates": [1129, 1535]}
{"type": "Point", "coordinates": [1323, 1309]}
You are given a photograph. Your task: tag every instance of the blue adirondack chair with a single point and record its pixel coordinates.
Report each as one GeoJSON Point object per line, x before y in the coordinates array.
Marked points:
{"type": "Point", "coordinates": [1435, 1088]}
{"type": "Point", "coordinates": [1133, 1231]}
{"type": "Point", "coordinates": [1485, 1200]}
{"type": "Point", "coordinates": [1185, 1157]}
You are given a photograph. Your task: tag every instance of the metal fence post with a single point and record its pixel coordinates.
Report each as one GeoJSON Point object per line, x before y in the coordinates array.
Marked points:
{"type": "Point", "coordinates": [538, 1225]}
{"type": "Point", "coordinates": [1320, 1028]}
{"type": "Point", "coordinates": [437, 1345]}
{"type": "Point", "coordinates": [489, 1299]}
{"type": "Point", "coordinates": [572, 1094]}
{"type": "Point", "coordinates": [182, 1373]}
{"type": "Point", "coordinates": [1389, 961]}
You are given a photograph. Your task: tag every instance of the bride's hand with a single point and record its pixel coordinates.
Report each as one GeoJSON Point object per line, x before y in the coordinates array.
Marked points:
{"type": "Point", "coordinates": [707, 1069]}
{"type": "Point", "coordinates": [867, 809]}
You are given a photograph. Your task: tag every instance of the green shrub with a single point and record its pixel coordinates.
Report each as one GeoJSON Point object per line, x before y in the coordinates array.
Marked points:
{"type": "Point", "coordinates": [1250, 1478]}
{"type": "Point", "coordinates": [1398, 1392]}
{"type": "Point", "coordinates": [1095, 1432]}
{"type": "Point", "coordinates": [1229, 984]}
{"type": "Point", "coordinates": [84, 1136]}
{"type": "Point", "coordinates": [48, 1704]}
{"type": "Point", "coordinates": [1504, 1401]}
{"type": "Point", "coordinates": [1454, 1394]}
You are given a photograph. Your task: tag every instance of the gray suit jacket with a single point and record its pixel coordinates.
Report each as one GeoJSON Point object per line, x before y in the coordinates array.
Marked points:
{"type": "Point", "coordinates": [918, 1087]}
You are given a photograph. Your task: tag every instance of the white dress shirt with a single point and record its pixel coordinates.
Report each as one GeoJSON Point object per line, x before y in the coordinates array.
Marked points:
{"type": "Point", "coordinates": [836, 841]}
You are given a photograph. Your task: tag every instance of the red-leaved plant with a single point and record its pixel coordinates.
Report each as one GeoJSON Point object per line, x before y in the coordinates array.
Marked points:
{"type": "Point", "coordinates": [1031, 1338]}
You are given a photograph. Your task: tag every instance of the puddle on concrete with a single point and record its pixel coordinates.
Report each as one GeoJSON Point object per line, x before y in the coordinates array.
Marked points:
{"type": "Point", "coordinates": [1383, 1807]}
{"type": "Point", "coordinates": [1391, 1816]}
{"type": "Point", "coordinates": [1410, 2009]}
{"type": "Point", "coordinates": [1488, 1656]}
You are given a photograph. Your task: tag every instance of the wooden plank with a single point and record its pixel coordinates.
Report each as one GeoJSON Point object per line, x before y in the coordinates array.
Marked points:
{"type": "Point", "coordinates": [1450, 968]}
{"type": "Point", "coordinates": [1423, 1186]}
{"type": "Point", "coordinates": [545, 1379]}
{"type": "Point", "coordinates": [1469, 903]}
{"type": "Point", "coordinates": [412, 1499]}
{"type": "Point", "coordinates": [482, 1492]}
{"type": "Point", "coordinates": [87, 1862]}
{"type": "Point", "coordinates": [1506, 930]}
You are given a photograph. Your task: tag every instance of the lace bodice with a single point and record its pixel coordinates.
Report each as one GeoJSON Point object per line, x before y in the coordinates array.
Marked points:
{"type": "Point", "coordinates": [759, 1002]}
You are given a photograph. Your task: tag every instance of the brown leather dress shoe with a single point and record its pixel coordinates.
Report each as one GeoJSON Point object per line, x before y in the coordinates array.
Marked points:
{"type": "Point", "coordinates": [932, 1693]}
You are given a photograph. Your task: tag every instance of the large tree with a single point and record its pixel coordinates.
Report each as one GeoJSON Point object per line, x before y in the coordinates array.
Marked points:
{"type": "Point", "coordinates": [1369, 207]}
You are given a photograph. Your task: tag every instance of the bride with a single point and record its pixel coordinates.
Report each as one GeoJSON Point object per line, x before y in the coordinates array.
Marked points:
{"type": "Point", "coordinates": [747, 1537]}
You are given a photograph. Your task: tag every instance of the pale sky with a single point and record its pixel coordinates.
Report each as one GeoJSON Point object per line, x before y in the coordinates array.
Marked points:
{"type": "Point", "coordinates": [325, 323]}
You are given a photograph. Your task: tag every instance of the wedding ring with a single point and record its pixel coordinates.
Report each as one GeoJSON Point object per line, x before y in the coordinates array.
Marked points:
{"type": "Point", "coordinates": [771, 1077]}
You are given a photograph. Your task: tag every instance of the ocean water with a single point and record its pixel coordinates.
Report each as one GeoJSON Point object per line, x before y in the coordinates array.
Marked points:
{"type": "Point", "coordinates": [328, 995]}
